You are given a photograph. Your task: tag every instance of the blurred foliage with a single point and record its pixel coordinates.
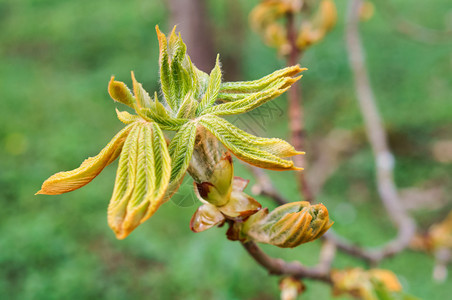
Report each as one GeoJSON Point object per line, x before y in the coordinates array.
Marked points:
{"type": "Point", "coordinates": [56, 58]}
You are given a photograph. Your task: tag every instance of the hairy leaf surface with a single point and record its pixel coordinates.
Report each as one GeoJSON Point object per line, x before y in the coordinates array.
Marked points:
{"type": "Point", "coordinates": [141, 181]}
{"type": "Point", "coordinates": [181, 150]}
{"type": "Point", "coordinates": [258, 85]}
{"type": "Point", "coordinates": [64, 182]}
{"type": "Point", "coordinates": [120, 92]}
{"type": "Point", "coordinates": [213, 88]}
{"type": "Point", "coordinates": [254, 100]}
{"type": "Point", "coordinates": [261, 152]}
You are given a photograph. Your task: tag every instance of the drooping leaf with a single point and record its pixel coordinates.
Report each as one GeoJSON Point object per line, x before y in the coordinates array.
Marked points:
{"type": "Point", "coordinates": [261, 152]}
{"type": "Point", "coordinates": [141, 181]}
{"type": "Point", "coordinates": [213, 88]}
{"type": "Point", "coordinates": [181, 150]}
{"type": "Point", "coordinates": [120, 92]}
{"type": "Point", "coordinates": [64, 182]}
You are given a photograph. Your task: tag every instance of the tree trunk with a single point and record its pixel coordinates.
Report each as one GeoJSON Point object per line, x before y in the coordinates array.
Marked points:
{"type": "Point", "coordinates": [192, 20]}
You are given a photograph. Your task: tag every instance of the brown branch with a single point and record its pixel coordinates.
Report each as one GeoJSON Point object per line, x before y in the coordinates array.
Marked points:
{"type": "Point", "coordinates": [377, 138]}
{"type": "Point", "coordinates": [191, 17]}
{"type": "Point", "coordinates": [327, 255]}
{"type": "Point", "coordinates": [277, 266]}
{"type": "Point", "coordinates": [296, 118]}
{"type": "Point", "coordinates": [443, 256]}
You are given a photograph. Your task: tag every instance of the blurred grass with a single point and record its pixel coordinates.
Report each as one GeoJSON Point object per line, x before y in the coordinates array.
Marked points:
{"type": "Point", "coordinates": [56, 58]}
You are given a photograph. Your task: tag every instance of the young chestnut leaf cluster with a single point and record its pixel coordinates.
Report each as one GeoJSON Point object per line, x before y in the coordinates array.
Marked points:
{"type": "Point", "coordinates": [152, 166]}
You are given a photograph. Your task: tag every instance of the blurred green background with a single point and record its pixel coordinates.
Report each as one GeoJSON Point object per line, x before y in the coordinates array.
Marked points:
{"type": "Point", "coordinates": [56, 58]}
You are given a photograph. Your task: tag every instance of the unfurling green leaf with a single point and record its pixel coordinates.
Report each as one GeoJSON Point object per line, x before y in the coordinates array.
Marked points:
{"type": "Point", "coordinates": [178, 76]}
{"type": "Point", "coordinates": [142, 97]}
{"type": "Point", "coordinates": [141, 181]}
{"type": "Point", "coordinates": [188, 107]}
{"type": "Point", "coordinates": [213, 88]}
{"type": "Point", "coordinates": [181, 150]}
{"type": "Point", "coordinates": [260, 91]}
{"type": "Point", "coordinates": [64, 182]}
{"type": "Point", "coordinates": [126, 117]}
{"type": "Point", "coordinates": [178, 84]}
{"type": "Point", "coordinates": [258, 85]}
{"type": "Point", "coordinates": [165, 122]}
{"type": "Point", "coordinates": [165, 72]}
{"type": "Point", "coordinates": [261, 152]}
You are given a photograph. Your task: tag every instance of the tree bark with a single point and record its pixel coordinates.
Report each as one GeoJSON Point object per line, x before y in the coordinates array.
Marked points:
{"type": "Point", "coordinates": [191, 18]}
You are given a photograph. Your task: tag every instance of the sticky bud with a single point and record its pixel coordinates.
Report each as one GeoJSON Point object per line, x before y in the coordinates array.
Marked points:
{"type": "Point", "coordinates": [218, 188]}
{"type": "Point", "coordinates": [288, 225]}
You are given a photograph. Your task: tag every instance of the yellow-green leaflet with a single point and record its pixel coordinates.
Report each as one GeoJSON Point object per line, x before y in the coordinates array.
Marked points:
{"type": "Point", "coordinates": [177, 82]}
{"type": "Point", "coordinates": [142, 97]}
{"type": "Point", "coordinates": [141, 180]}
{"type": "Point", "coordinates": [258, 85]}
{"type": "Point", "coordinates": [165, 73]}
{"type": "Point", "coordinates": [181, 150]}
{"type": "Point", "coordinates": [261, 152]}
{"type": "Point", "coordinates": [254, 100]}
{"type": "Point", "coordinates": [120, 92]}
{"type": "Point", "coordinates": [188, 107]}
{"type": "Point", "coordinates": [64, 182]}
{"type": "Point", "coordinates": [166, 123]}
{"type": "Point", "coordinates": [213, 88]}
{"type": "Point", "coordinates": [126, 117]}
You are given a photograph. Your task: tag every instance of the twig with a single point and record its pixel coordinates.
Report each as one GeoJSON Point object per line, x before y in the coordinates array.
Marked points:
{"type": "Point", "coordinates": [377, 137]}
{"type": "Point", "coordinates": [280, 267]}
{"type": "Point", "coordinates": [296, 117]}
{"type": "Point", "coordinates": [327, 255]}
{"type": "Point", "coordinates": [443, 256]}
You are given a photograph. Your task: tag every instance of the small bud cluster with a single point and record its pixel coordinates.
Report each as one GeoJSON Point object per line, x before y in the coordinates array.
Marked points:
{"type": "Point", "coordinates": [266, 19]}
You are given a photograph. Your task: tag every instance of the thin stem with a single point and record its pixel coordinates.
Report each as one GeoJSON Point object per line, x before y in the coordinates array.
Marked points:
{"type": "Point", "coordinates": [377, 137]}
{"type": "Point", "coordinates": [378, 140]}
{"type": "Point", "coordinates": [296, 118]}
